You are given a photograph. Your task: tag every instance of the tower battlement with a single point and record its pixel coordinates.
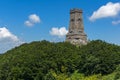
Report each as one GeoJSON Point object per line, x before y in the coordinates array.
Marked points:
{"type": "Point", "coordinates": [76, 33]}
{"type": "Point", "coordinates": [74, 10]}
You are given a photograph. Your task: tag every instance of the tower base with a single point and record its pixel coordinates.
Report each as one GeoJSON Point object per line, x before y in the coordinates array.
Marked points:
{"type": "Point", "coordinates": [77, 39]}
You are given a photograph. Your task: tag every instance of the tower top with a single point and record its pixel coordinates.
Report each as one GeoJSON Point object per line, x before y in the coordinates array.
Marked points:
{"type": "Point", "coordinates": [74, 10]}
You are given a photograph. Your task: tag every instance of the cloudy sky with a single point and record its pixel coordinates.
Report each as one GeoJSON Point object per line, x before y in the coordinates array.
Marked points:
{"type": "Point", "coordinates": [33, 20]}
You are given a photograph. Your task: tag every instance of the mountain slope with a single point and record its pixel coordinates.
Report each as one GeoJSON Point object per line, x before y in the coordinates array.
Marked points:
{"type": "Point", "coordinates": [35, 60]}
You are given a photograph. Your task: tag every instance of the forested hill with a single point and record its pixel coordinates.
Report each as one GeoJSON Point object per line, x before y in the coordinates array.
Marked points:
{"type": "Point", "coordinates": [44, 60]}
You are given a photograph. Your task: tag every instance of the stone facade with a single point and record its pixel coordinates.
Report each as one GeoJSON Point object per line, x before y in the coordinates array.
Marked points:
{"type": "Point", "coordinates": [76, 33]}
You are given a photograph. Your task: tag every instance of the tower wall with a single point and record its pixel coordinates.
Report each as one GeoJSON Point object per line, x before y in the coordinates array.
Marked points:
{"type": "Point", "coordinates": [76, 33]}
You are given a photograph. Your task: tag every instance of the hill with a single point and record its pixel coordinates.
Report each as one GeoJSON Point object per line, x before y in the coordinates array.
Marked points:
{"type": "Point", "coordinates": [44, 60]}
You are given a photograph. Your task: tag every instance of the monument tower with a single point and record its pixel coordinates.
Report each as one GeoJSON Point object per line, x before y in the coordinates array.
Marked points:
{"type": "Point", "coordinates": [76, 33]}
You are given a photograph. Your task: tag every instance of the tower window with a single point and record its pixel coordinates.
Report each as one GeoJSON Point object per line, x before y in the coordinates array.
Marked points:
{"type": "Point", "coordinates": [79, 19]}
{"type": "Point", "coordinates": [71, 31]}
{"type": "Point", "coordinates": [69, 37]}
{"type": "Point", "coordinates": [80, 31]}
{"type": "Point", "coordinates": [77, 38]}
{"type": "Point", "coordinates": [72, 19]}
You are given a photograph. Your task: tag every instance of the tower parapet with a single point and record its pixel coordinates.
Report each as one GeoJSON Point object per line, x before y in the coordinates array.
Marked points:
{"type": "Point", "coordinates": [75, 10]}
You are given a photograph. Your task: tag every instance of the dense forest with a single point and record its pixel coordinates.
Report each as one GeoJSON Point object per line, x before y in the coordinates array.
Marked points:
{"type": "Point", "coordinates": [44, 60]}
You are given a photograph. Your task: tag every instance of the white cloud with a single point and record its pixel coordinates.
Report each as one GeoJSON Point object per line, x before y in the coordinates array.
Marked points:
{"type": "Point", "coordinates": [108, 10]}
{"type": "Point", "coordinates": [8, 40]}
{"type": "Point", "coordinates": [28, 23]}
{"type": "Point", "coordinates": [60, 32]}
{"type": "Point", "coordinates": [116, 22]}
{"type": "Point", "coordinates": [5, 33]}
{"type": "Point", "coordinates": [32, 20]}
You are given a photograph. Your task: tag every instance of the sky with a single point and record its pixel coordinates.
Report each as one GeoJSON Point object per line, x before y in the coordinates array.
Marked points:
{"type": "Point", "coordinates": [24, 21]}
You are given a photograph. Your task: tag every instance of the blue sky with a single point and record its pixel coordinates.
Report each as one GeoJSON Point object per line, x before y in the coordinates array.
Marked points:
{"type": "Point", "coordinates": [33, 20]}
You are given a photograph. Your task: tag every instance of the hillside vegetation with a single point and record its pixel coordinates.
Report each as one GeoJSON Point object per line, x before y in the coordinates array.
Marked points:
{"type": "Point", "coordinates": [44, 60]}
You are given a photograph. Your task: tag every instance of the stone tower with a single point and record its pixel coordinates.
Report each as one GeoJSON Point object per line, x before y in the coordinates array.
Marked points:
{"type": "Point", "coordinates": [76, 33]}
